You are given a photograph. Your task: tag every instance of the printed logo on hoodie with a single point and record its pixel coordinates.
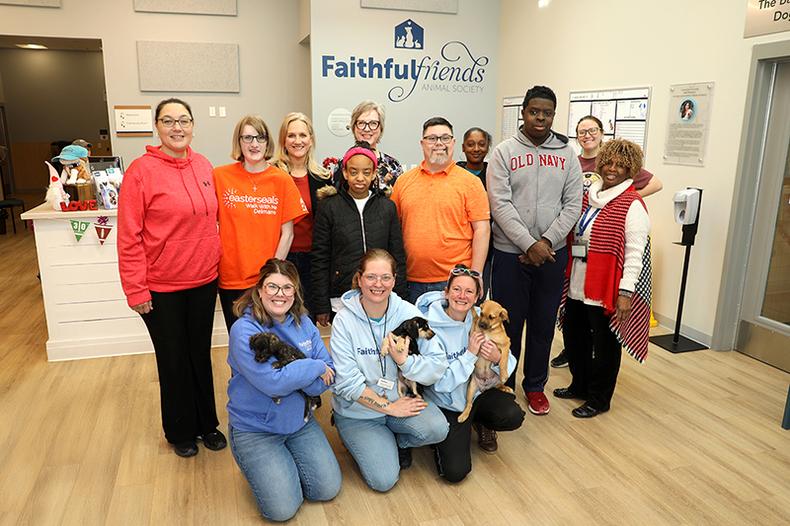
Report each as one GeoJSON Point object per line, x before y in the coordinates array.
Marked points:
{"type": "Point", "coordinates": [366, 351]}
{"type": "Point", "coordinates": [544, 159]}
{"type": "Point", "coordinates": [452, 356]}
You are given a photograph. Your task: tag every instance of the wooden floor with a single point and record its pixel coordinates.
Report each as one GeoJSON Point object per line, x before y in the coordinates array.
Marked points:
{"type": "Point", "coordinates": [691, 439]}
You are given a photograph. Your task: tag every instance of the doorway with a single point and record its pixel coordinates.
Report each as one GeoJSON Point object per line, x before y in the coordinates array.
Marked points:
{"type": "Point", "coordinates": [52, 91]}
{"type": "Point", "coordinates": [754, 307]}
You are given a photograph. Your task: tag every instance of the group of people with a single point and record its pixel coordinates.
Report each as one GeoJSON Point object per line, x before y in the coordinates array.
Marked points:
{"type": "Point", "coordinates": [287, 245]}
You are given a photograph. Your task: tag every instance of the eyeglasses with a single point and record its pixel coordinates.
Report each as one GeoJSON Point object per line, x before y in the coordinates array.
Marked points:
{"type": "Point", "coordinates": [385, 279]}
{"type": "Point", "coordinates": [433, 139]}
{"type": "Point", "coordinates": [247, 139]}
{"type": "Point", "coordinates": [548, 114]}
{"type": "Point", "coordinates": [371, 125]}
{"type": "Point", "coordinates": [272, 289]}
{"type": "Point", "coordinates": [184, 122]}
{"type": "Point", "coordinates": [589, 131]}
{"type": "Point", "coordinates": [461, 271]}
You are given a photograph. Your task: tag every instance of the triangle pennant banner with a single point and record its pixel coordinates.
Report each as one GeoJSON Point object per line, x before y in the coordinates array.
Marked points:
{"type": "Point", "coordinates": [79, 228]}
{"type": "Point", "coordinates": [103, 228]}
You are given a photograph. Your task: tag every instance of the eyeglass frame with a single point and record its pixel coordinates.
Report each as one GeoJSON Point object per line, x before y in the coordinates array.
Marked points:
{"type": "Point", "coordinates": [385, 279]}
{"type": "Point", "coordinates": [592, 132]}
{"type": "Point", "coordinates": [433, 139]}
{"type": "Point", "coordinates": [259, 138]}
{"type": "Point", "coordinates": [361, 125]}
{"type": "Point", "coordinates": [189, 122]}
{"type": "Point", "coordinates": [460, 271]}
{"type": "Point", "coordinates": [268, 287]}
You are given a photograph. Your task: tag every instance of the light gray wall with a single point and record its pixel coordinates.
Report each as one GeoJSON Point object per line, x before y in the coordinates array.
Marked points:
{"type": "Point", "coordinates": [275, 76]}
{"type": "Point", "coordinates": [53, 95]}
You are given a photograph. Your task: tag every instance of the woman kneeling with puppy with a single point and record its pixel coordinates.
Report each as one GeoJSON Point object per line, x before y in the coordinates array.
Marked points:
{"type": "Point", "coordinates": [275, 440]}
{"type": "Point", "coordinates": [375, 424]}
{"type": "Point", "coordinates": [449, 314]}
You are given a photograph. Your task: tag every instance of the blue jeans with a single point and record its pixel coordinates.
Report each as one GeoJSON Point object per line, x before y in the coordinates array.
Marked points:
{"type": "Point", "coordinates": [374, 442]}
{"type": "Point", "coordinates": [417, 289]}
{"type": "Point", "coordinates": [283, 470]}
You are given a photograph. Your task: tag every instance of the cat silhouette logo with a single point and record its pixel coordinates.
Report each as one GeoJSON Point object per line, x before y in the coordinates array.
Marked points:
{"type": "Point", "coordinates": [409, 35]}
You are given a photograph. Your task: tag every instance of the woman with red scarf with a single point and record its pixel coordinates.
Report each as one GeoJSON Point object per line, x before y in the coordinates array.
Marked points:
{"type": "Point", "coordinates": [607, 285]}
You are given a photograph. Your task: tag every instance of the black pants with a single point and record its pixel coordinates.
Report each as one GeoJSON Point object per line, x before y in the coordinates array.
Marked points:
{"type": "Point", "coordinates": [302, 262]}
{"type": "Point", "coordinates": [226, 298]}
{"type": "Point", "coordinates": [593, 353]}
{"type": "Point", "coordinates": [531, 295]}
{"type": "Point", "coordinates": [180, 326]}
{"type": "Point", "coordinates": [493, 409]}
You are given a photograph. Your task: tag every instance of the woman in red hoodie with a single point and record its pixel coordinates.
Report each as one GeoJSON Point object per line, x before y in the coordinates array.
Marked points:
{"type": "Point", "coordinates": [168, 254]}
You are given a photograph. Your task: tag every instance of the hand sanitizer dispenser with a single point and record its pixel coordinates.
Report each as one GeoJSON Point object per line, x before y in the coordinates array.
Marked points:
{"type": "Point", "coordinates": [687, 206]}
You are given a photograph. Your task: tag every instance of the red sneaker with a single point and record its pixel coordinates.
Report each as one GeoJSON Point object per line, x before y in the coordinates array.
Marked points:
{"type": "Point", "coordinates": [538, 403]}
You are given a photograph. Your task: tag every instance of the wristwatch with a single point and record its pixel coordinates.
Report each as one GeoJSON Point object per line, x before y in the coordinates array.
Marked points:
{"type": "Point", "coordinates": [626, 293]}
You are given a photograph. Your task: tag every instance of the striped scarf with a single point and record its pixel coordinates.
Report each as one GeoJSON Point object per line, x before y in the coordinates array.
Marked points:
{"type": "Point", "coordinates": [605, 258]}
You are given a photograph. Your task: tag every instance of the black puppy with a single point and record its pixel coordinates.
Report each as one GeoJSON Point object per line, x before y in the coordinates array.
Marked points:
{"type": "Point", "coordinates": [407, 333]}
{"type": "Point", "coordinates": [267, 345]}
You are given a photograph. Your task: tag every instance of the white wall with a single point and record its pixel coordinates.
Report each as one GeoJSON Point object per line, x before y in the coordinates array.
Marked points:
{"type": "Point", "coordinates": [343, 29]}
{"type": "Point", "coordinates": [274, 67]}
{"type": "Point", "coordinates": [576, 44]}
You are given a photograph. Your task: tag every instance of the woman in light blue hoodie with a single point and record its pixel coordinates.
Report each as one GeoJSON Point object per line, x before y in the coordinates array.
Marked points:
{"type": "Point", "coordinates": [375, 424]}
{"type": "Point", "coordinates": [284, 456]}
{"type": "Point", "coordinates": [449, 315]}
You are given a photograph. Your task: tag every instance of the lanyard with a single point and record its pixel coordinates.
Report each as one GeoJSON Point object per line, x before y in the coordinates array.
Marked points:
{"type": "Point", "coordinates": [584, 222]}
{"type": "Point", "coordinates": [382, 360]}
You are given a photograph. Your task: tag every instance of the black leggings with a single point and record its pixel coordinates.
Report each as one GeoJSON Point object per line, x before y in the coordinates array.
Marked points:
{"type": "Point", "coordinates": [493, 409]}
{"type": "Point", "coordinates": [226, 299]}
{"type": "Point", "coordinates": [180, 326]}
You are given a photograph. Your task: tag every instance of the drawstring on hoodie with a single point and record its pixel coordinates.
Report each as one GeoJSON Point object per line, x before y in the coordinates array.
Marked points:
{"type": "Point", "coordinates": [197, 185]}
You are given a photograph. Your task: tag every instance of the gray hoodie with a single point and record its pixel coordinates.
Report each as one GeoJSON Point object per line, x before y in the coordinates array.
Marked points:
{"type": "Point", "coordinates": [534, 191]}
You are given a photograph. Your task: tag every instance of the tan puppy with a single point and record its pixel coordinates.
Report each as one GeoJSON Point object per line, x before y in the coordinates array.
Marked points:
{"type": "Point", "coordinates": [489, 322]}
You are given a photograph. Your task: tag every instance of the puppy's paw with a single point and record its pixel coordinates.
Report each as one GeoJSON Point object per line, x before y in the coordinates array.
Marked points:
{"type": "Point", "coordinates": [463, 416]}
{"type": "Point", "coordinates": [505, 389]}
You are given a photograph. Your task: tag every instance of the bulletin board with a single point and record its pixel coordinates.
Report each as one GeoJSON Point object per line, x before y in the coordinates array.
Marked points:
{"type": "Point", "coordinates": [623, 112]}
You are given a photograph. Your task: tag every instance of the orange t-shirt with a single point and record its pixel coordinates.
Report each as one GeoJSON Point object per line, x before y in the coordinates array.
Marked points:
{"type": "Point", "coordinates": [252, 209]}
{"type": "Point", "coordinates": [436, 211]}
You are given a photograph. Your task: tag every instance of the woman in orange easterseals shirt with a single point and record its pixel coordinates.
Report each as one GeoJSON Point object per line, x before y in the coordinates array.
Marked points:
{"type": "Point", "coordinates": [258, 205]}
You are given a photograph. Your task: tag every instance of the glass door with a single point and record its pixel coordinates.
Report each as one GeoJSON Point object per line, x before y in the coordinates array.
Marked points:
{"type": "Point", "coordinates": [764, 327]}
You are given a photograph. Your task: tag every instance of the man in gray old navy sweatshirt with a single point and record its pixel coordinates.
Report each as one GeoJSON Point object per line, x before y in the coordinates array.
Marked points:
{"type": "Point", "coordinates": [534, 184]}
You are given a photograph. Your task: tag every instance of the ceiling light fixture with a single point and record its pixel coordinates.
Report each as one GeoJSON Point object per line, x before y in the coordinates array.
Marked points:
{"type": "Point", "coordinates": [32, 46]}
{"type": "Point", "coordinates": [543, 3]}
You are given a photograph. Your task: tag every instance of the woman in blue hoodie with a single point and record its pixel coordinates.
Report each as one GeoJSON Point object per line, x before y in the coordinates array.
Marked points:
{"type": "Point", "coordinates": [375, 424]}
{"type": "Point", "coordinates": [449, 315]}
{"type": "Point", "coordinates": [284, 455]}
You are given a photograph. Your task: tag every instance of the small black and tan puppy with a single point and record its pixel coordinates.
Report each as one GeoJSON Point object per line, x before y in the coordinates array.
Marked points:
{"type": "Point", "coordinates": [406, 336]}
{"type": "Point", "coordinates": [266, 345]}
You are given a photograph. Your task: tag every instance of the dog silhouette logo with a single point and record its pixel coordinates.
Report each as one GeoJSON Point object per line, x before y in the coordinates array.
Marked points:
{"type": "Point", "coordinates": [409, 35]}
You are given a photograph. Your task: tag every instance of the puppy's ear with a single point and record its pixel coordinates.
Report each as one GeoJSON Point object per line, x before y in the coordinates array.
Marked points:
{"type": "Point", "coordinates": [503, 315]}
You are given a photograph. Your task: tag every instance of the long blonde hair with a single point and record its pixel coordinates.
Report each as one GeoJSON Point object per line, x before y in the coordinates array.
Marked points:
{"type": "Point", "coordinates": [252, 296]}
{"type": "Point", "coordinates": [283, 159]}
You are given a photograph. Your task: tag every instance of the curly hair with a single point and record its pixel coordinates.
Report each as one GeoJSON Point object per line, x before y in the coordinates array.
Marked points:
{"type": "Point", "coordinates": [622, 153]}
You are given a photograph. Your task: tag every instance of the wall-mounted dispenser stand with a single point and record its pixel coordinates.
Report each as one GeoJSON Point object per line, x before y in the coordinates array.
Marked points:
{"type": "Point", "coordinates": [687, 208]}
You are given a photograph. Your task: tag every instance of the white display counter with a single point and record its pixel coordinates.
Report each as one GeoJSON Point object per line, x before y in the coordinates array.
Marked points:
{"type": "Point", "coordinates": [85, 308]}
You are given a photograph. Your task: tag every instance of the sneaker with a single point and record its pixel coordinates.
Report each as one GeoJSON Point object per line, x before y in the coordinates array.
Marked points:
{"type": "Point", "coordinates": [561, 360]}
{"type": "Point", "coordinates": [486, 438]}
{"type": "Point", "coordinates": [214, 440]}
{"type": "Point", "coordinates": [404, 457]}
{"type": "Point", "coordinates": [186, 449]}
{"type": "Point", "coordinates": [538, 403]}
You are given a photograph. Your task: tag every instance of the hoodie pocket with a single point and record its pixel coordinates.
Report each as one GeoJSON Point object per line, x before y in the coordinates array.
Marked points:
{"type": "Point", "coordinates": [187, 260]}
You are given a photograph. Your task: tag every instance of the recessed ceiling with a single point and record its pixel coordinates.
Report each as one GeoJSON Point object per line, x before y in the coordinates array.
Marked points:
{"type": "Point", "coordinates": [52, 43]}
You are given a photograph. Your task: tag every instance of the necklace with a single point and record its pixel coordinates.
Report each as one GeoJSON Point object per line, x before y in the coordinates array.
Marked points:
{"type": "Point", "coordinates": [382, 360]}
{"type": "Point", "coordinates": [252, 181]}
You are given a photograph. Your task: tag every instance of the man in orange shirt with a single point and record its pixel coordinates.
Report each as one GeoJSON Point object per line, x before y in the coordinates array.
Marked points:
{"type": "Point", "coordinates": [443, 211]}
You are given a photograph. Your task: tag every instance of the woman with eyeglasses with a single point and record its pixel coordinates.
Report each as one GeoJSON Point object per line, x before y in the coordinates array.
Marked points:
{"type": "Point", "coordinates": [376, 425]}
{"type": "Point", "coordinates": [367, 124]}
{"type": "Point", "coordinates": [589, 134]}
{"type": "Point", "coordinates": [606, 295]}
{"type": "Point", "coordinates": [168, 254]}
{"type": "Point", "coordinates": [449, 313]}
{"type": "Point", "coordinates": [258, 204]}
{"type": "Point", "coordinates": [351, 220]}
{"type": "Point", "coordinates": [296, 157]}
{"type": "Point", "coordinates": [274, 436]}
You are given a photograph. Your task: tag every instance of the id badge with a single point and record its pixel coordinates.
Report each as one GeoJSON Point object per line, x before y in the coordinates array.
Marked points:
{"type": "Point", "coordinates": [384, 383]}
{"type": "Point", "coordinates": [579, 249]}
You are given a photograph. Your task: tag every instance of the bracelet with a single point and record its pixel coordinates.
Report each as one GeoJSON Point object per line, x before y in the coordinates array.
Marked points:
{"type": "Point", "coordinates": [626, 293]}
